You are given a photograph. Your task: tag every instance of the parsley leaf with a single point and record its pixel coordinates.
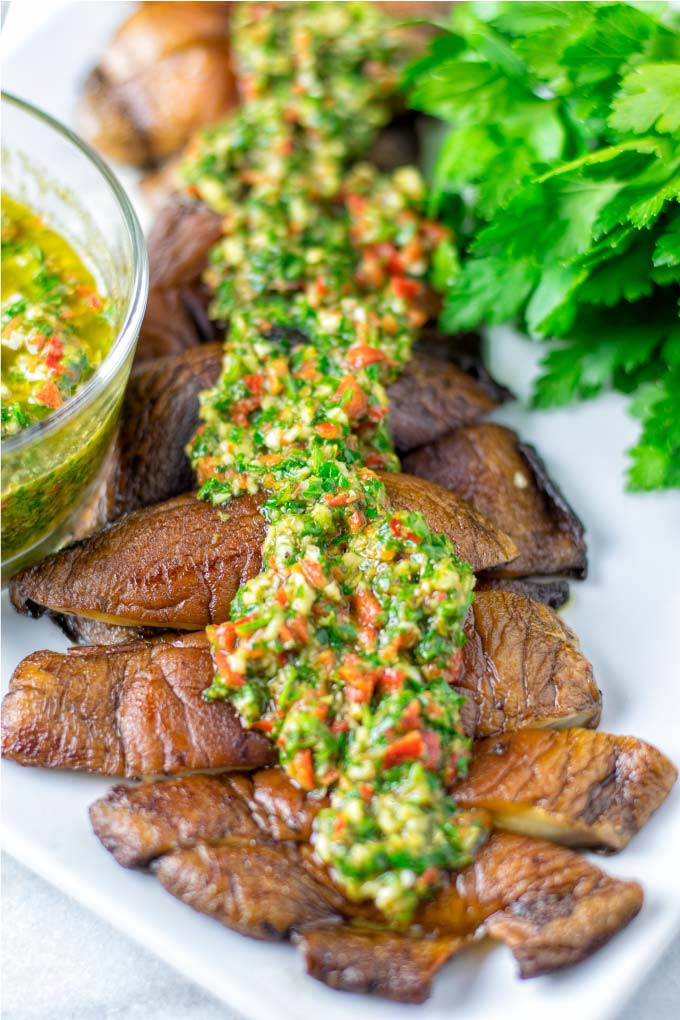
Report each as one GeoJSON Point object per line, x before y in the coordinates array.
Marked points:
{"type": "Point", "coordinates": [560, 174]}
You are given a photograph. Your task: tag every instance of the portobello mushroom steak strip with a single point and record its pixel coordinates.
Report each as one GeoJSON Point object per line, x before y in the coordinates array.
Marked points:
{"type": "Point", "coordinates": [180, 563]}
{"type": "Point", "coordinates": [225, 857]}
{"type": "Point", "coordinates": [621, 781]}
{"type": "Point", "coordinates": [147, 462]}
{"type": "Point", "coordinates": [135, 709]}
{"type": "Point", "coordinates": [491, 468]}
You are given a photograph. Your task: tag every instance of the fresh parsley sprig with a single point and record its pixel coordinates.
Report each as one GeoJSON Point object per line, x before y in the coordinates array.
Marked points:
{"type": "Point", "coordinates": [561, 176]}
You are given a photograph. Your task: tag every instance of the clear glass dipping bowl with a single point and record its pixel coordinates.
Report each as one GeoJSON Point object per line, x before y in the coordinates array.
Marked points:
{"type": "Point", "coordinates": [49, 469]}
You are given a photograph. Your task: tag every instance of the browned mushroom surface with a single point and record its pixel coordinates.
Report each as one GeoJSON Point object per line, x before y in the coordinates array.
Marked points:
{"type": "Point", "coordinates": [551, 906]}
{"type": "Point", "coordinates": [179, 564]}
{"type": "Point", "coordinates": [525, 667]}
{"type": "Point", "coordinates": [387, 964]}
{"type": "Point", "coordinates": [166, 73]}
{"type": "Point", "coordinates": [507, 481]}
{"type": "Point", "coordinates": [130, 710]}
{"type": "Point", "coordinates": [147, 463]}
{"type": "Point", "coordinates": [139, 823]}
{"type": "Point", "coordinates": [107, 732]}
{"type": "Point", "coordinates": [574, 786]}
{"type": "Point", "coordinates": [553, 591]}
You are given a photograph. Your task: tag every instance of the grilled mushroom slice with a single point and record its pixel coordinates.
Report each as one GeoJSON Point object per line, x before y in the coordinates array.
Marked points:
{"type": "Point", "coordinates": [166, 73]}
{"type": "Point", "coordinates": [139, 823]}
{"type": "Point", "coordinates": [525, 667]}
{"type": "Point", "coordinates": [551, 906]}
{"type": "Point", "coordinates": [92, 695]}
{"type": "Point", "coordinates": [507, 481]}
{"type": "Point", "coordinates": [553, 591]}
{"type": "Point", "coordinates": [575, 786]}
{"type": "Point", "coordinates": [174, 565]}
{"type": "Point", "coordinates": [129, 710]}
{"type": "Point", "coordinates": [548, 904]}
{"type": "Point", "coordinates": [147, 463]}
{"type": "Point", "coordinates": [179, 564]}
{"type": "Point", "coordinates": [388, 964]}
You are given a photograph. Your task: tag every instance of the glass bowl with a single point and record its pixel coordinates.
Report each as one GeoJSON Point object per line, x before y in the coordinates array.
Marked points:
{"type": "Point", "coordinates": [49, 469]}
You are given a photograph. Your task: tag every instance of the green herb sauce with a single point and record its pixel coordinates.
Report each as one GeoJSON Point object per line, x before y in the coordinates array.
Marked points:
{"type": "Point", "coordinates": [345, 647]}
{"type": "Point", "coordinates": [55, 324]}
{"type": "Point", "coordinates": [56, 330]}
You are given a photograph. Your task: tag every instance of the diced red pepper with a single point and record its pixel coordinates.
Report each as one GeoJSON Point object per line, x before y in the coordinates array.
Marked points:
{"type": "Point", "coordinates": [338, 498]}
{"type": "Point", "coordinates": [313, 573]}
{"type": "Point", "coordinates": [49, 395]}
{"type": "Point", "coordinates": [360, 682]}
{"type": "Point", "coordinates": [356, 204]}
{"type": "Point", "coordinates": [392, 679]}
{"type": "Point", "coordinates": [366, 608]}
{"type": "Point", "coordinates": [91, 296]}
{"type": "Point", "coordinates": [264, 725]}
{"type": "Point", "coordinates": [356, 521]}
{"type": "Point", "coordinates": [55, 352]}
{"type": "Point", "coordinates": [405, 288]}
{"type": "Point", "coordinates": [281, 597]}
{"type": "Point", "coordinates": [229, 675]}
{"type": "Point", "coordinates": [301, 769]}
{"type": "Point", "coordinates": [295, 630]}
{"type": "Point", "coordinates": [410, 717]}
{"type": "Point", "coordinates": [225, 636]}
{"type": "Point", "coordinates": [353, 397]}
{"type": "Point", "coordinates": [328, 430]}
{"type": "Point", "coordinates": [362, 355]}
{"type": "Point", "coordinates": [410, 747]}
{"type": "Point", "coordinates": [254, 383]}
{"type": "Point", "coordinates": [433, 750]}
{"type": "Point", "coordinates": [400, 530]}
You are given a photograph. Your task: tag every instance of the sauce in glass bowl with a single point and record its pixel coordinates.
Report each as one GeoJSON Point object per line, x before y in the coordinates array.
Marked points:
{"type": "Point", "coordinates": [56, 325]}
{"type": "Point", "coordinates": [75, 281]}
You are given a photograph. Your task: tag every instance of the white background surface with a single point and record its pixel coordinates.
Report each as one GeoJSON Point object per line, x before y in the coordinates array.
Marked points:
{"type": "Point", "coordinates": [61, 962]}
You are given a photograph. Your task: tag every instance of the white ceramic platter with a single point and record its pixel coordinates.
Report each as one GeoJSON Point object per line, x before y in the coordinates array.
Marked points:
{"type": "Point", "coordinates": [628, 617]}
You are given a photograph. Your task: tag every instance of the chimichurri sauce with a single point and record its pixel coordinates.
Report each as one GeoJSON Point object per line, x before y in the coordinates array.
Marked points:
{"type": "Point", "coordinates": [345, 647]}
{"type": "Point", "coordinates": [55, 323]}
